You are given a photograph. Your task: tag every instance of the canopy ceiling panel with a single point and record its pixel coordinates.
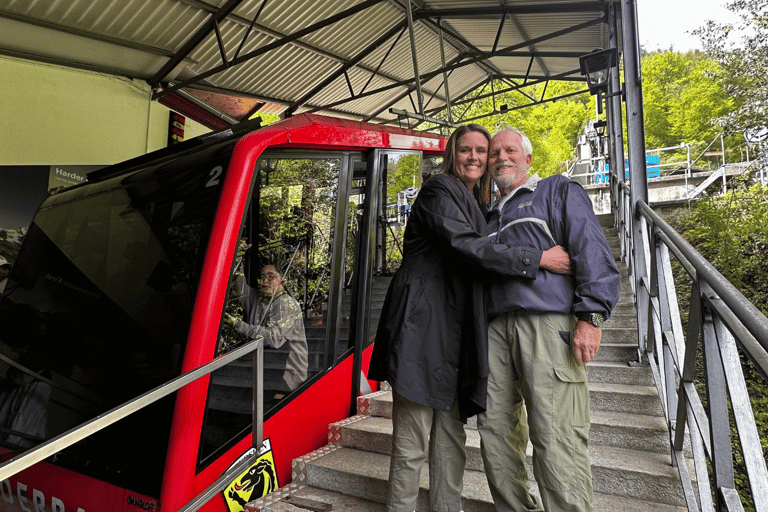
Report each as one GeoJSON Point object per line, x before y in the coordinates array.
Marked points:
{"type": "Point", "coordinates": [349, 58]}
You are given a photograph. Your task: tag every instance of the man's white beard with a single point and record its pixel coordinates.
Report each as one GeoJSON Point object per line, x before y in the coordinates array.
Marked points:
{"type": "Point", "coordinates": [503, 182]}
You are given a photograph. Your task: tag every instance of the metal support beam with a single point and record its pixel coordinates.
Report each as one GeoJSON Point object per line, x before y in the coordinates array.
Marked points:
{"type": "Point", "coordinates": [416, 74]}
{"type": "Point", "coordinates": [343, 70]}
{"type": "Point", "coordinates": [636, 144]}
{"type": "Point", "coordinates": [615, 127]}
{"type": "Point", "coordinates": [495, 12]}
{"type": "Point", "coordinates": [191, 43]}
{"type": "Point", "coordinates": [445, 74]}
{"type": "Point", "coordinates": [468, 62]}
{"type": "Point", "coordinates": [549, 100]}
{"type": "Point", "coordinates": [266, 48]}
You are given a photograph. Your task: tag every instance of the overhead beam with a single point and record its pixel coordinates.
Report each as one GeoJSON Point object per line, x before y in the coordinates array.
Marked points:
{"type": "Point", "coordinates": [495, 12]}
{"type": "Point", "coordinates": [211, 24]}
{"type": "Point", "coordinates": [548, 100]}
{"type": "Point", "coordinates": [276, 44]}
{"type": "Point", "coordinates": [428, 76]}
{"type": "Point", "coordinates": [538, 80]}
{"type": "Point", "coordinates": [253, 26]}
{"type": "Point", "coordinates": [342, 71]}
{"type": "Point", "coordinates": [436, 27]}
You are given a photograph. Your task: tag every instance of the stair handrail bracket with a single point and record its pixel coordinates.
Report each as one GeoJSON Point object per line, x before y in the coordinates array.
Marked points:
{"type": "Point", "coordinates": [721, 322]}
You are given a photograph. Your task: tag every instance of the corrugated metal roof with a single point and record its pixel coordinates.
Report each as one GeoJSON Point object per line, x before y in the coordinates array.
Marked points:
{"type": "Point", "coordinates": [137, 38]}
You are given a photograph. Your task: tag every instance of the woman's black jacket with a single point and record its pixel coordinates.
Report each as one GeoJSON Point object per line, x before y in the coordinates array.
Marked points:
{"type": "Point", "coordinates": [432, 340]}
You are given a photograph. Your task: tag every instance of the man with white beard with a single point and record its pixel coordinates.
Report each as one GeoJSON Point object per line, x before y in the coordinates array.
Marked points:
{"type": "Point", "coordinates": [541, 334]}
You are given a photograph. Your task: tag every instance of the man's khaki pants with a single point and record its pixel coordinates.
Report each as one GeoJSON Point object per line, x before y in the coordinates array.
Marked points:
{"type": "Point", "coordinates": [532, 369]}
{"type": "Point", "coordinates": [418, 430]}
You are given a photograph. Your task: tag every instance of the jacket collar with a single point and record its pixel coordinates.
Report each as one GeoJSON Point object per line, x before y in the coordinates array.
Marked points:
{"type": "Point", "coordinates": [530, 184]}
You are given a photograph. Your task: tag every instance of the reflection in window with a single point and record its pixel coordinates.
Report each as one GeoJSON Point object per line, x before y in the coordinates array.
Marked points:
{"type": "Point", "coordinates": [99, 305]}
{"type": "Point", "coordinates": [279, 290]}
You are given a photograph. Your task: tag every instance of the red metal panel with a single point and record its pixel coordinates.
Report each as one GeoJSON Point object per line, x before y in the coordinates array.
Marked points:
{"type": "Point", "coordinates": [48, 487]}
{"type": "Point", "coordinates": [304, 131]}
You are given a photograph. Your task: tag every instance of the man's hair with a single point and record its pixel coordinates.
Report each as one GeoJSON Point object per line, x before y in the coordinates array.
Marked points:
{"type": "Point", "coordinates": [449, 158]}
{"type": "Point", "coordinates": [527, 146]}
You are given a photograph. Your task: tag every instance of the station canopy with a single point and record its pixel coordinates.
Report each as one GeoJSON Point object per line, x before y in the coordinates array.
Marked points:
{"type": "Point", "coordinates": [221, 61]}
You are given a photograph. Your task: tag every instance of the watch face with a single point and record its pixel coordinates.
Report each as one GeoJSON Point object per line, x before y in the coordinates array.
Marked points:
{"type": "Point", "coordinates": [596, 319]}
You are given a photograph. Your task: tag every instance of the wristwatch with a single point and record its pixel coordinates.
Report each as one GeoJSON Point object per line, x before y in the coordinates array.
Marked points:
{"type": "Point", "coordinates": [595, 319]}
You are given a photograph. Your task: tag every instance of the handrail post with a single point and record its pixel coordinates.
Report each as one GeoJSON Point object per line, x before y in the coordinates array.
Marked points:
{"type": "Point", "coordinates": [717, 406]}
{"type": "Point", "coordinates": [636, 144]}
{"type": "Point", "coordinates": [258, 398]}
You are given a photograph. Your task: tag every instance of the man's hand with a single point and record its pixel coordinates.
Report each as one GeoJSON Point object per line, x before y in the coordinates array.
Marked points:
{"type": "Point", "coordinates": [586, 342]}
{"type": "Point", "coordinates": [556, 260]}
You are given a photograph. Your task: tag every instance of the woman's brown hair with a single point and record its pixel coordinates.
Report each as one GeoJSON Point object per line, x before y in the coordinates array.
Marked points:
{"type": "Point", "coordinates": [449, 159]}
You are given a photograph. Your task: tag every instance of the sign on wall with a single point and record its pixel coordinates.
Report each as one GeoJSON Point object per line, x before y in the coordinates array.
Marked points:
{"type": "Point", "coordinates": [175, 128]}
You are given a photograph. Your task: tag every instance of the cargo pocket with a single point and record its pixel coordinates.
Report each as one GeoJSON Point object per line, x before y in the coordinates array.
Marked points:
{"type": "Point", "coordinates": [571, 396]}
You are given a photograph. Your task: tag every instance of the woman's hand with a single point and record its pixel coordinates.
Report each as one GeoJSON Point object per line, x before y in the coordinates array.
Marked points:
{"type": "Point", "coordinates": [556, 260]}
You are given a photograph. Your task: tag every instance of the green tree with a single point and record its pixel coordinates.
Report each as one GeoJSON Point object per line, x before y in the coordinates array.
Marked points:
{"type": "Point", "coordinates": [680, 99]}
{"type": "Point", "coordinates": [741, 50]}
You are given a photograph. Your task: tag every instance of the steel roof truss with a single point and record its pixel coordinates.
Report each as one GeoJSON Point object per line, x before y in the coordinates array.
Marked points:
{"type": "Point", "coordinates": [384, 59]}
{"type": "Point", "coordinates": [250, 28]}
{"type": "Point", "coordinates": [221, 43]}
{"type": "Point", "coordinates": [472, 101]}
{"type": "Point", "coordinates": [416, 74]}
{"type": "Point", "coordinates": [471, 60]}
{"type": "Point", "coordinates": [445, 74]}
{"type": "Point", "coordinates": [518, 107]}
{"type": "Point", "coordinates": [602, 19]}
{"type": "Point", "coordinates": [544, 92]}
{"type": "Point", "coordinates": [525, 36]}
{"type": "Point", "coordinates": [356, 59]}
{"type": "Point", "coordinates": [196, 38]}
{"type": "Point", "coordinates": [271, 46]}
{"type": "Point", "coordinates": [492, 12]}
{"type": "Point", "coordinates": [349, 84]}
{"type": "Point", "coordinates": [234, 18]}
{"type": "Point", "coordinates": [498, 32]}
{"type": "Point", "coordinates": [561, 76]}
{"type": "Point", "coordinates": [528, 71]}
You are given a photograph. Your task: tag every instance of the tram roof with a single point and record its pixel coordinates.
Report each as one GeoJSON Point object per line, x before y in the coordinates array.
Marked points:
{"type": "Point", "coordinates": [346, 58]}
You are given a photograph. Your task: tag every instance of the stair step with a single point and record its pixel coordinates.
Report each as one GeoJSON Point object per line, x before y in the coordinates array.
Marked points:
{"type": "Point", "coordinates": [619, 373]}
{"type": "Point", "coordinates": [602, 397]}
{"type": "Point", "coordinates": [616, 352]}
{"type": "Point", "coordinates": [364, 475]}
{"type": "Point", "coordinates": [339, 502]}
{"type": "Point", "coordinates": [623, 398]}
{"type": "Point", "coordinates": [608, 428]}
{"type": "Point", "coordinates": [620, 334]}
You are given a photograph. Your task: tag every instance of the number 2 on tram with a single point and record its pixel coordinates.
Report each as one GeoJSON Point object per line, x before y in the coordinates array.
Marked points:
{"type": "Point", "coordinates": [126, 281]}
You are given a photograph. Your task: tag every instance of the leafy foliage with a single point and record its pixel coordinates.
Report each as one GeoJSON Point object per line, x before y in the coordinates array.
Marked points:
{"type": "Point", "coordinates": [680, 101]}
{"type": "Point", "coordinates": [731, 232]}
{"type": "Point", "coordinates": [741, 50]}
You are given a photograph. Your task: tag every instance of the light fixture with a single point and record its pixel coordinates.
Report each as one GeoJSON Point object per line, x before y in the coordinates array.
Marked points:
{"type": "Point", "coordinates": [599, 127]}
{"type": "Point", "coordinates": [596, 66]}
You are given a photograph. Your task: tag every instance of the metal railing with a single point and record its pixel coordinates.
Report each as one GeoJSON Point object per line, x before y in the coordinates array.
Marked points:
{"type": "Point", "coordinates": [721, 322]}
{"type": "Point", "coordinates": [72, 436]}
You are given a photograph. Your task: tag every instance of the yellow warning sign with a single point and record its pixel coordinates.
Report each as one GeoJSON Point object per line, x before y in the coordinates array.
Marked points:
{"type": "Point", "coordinates": [258, 480]}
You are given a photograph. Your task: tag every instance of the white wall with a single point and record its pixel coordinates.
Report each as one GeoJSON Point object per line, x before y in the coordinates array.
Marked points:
{"type": "Point", "coordinates": [51, 115]}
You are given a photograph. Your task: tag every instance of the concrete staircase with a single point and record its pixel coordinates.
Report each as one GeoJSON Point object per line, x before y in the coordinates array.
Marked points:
{"type": "Point", "coordinates": [629, 445]}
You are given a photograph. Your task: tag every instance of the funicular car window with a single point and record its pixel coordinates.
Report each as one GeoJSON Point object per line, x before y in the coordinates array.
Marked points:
{"type": "Point", "coordinates": [289, 234]}
{"type": "Point", "coordinates": [99, 304]}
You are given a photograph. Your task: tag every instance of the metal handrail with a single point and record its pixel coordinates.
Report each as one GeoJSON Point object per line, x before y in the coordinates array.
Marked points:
{"type": "Point", "coordinates": [721, 321]}
{"type": "Point", "coordinates": [72, 436]}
